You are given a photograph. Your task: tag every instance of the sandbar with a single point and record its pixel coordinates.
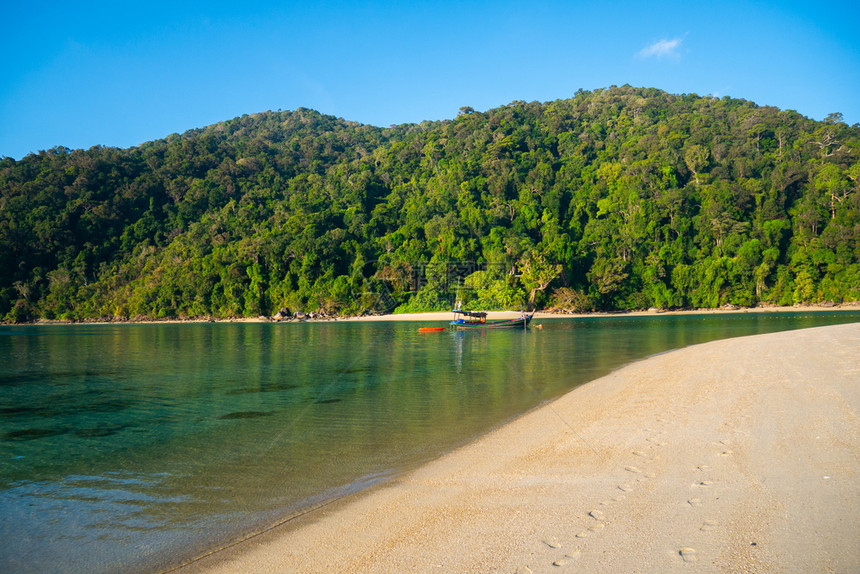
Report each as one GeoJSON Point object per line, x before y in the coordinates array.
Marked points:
{"type": "Point", "coordinates": [740, 455]}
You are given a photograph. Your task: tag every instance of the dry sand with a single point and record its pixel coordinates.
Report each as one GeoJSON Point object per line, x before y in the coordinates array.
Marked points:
{"type": "Point", "coordinates": [447, 315]}
{"type": "Point", "coordinates": [740, 455]}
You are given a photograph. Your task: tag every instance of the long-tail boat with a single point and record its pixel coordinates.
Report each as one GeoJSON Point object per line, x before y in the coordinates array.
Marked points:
{"type": "Point", "coordinates": [478, 320]}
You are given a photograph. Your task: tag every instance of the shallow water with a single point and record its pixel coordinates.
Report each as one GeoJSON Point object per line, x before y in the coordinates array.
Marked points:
{"type": "Point", "coordinates": [131, 447]}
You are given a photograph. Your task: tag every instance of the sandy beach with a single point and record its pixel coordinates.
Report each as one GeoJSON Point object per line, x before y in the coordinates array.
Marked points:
{"type": "Point", "coordinates": [447, 316]}
{"type": "Point", "coordinates": [740, 455]}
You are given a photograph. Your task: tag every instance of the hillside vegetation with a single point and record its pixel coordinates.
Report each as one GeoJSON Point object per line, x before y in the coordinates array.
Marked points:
{"type": "Point", "coordinates": [619, 198]}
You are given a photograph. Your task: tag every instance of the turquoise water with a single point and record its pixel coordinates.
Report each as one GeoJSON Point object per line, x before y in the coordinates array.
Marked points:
{"type": "Point", "coordinates": [132, 447]}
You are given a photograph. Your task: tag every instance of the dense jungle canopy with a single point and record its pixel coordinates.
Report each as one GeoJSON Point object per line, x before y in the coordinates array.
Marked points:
{"type": "Point", "coordinates": [619, 198]}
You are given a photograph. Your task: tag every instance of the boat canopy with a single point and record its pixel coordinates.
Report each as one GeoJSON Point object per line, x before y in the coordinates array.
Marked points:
{"type": "Point", "coordinates": [477, 314]}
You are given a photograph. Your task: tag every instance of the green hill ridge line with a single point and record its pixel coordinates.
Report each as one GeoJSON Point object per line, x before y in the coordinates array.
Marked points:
{"type": "Point", "coordinates": [618, 198]}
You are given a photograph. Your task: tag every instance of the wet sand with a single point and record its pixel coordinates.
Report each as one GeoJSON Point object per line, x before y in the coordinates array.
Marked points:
{"type": "Point", "coordinates": [740, 455]}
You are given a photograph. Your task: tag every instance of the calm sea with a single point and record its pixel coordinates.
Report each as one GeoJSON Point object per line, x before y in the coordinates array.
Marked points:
{"type": "Point", "coordinates": [132, 447]}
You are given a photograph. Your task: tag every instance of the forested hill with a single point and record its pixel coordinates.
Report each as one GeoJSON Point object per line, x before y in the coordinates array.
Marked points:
{"type": "Point", "coordinates": [615, 199]}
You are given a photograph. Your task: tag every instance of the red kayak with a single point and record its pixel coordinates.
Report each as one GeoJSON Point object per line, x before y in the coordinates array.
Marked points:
{"type": "Point", "coordinates": [431, 329]}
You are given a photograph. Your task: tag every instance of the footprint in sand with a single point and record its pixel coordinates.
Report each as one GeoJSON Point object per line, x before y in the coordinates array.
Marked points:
{"type": "Point", "coordinates": [709, 525]}
{"type": "Point", "coordinates": [566, 559]}
{"type": "Point", "coordinates": [552, 542]}
{"type": "Point", "coordinates": [593, 528]}
{"type": "Point", "coordinates": [637, 470]}
{"type": "Point", "coordinates": [703, 484]}
{"type": "Point", "coordinates": [727, 453]}
{"type": "Point", "coordinates": [694, 502]}
{"type": "Point", "coordinates": [688, 554]}
{"type": "Point", "coordinates": [625, 487]}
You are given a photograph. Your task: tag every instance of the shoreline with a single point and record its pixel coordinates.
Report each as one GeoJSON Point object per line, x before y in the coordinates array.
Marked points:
{"type": "Point", "coordinates": [739, 454]}
{"type": "Point", "coordinates": [446, 316]}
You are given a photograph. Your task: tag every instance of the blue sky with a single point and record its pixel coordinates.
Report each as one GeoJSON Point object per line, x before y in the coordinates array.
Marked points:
{"type": "Point", "coordinates": [80, 74]}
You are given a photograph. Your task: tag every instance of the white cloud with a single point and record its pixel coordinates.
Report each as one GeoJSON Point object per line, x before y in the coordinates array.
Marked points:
{"type": "Point", "coordinates": [661, 49]}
